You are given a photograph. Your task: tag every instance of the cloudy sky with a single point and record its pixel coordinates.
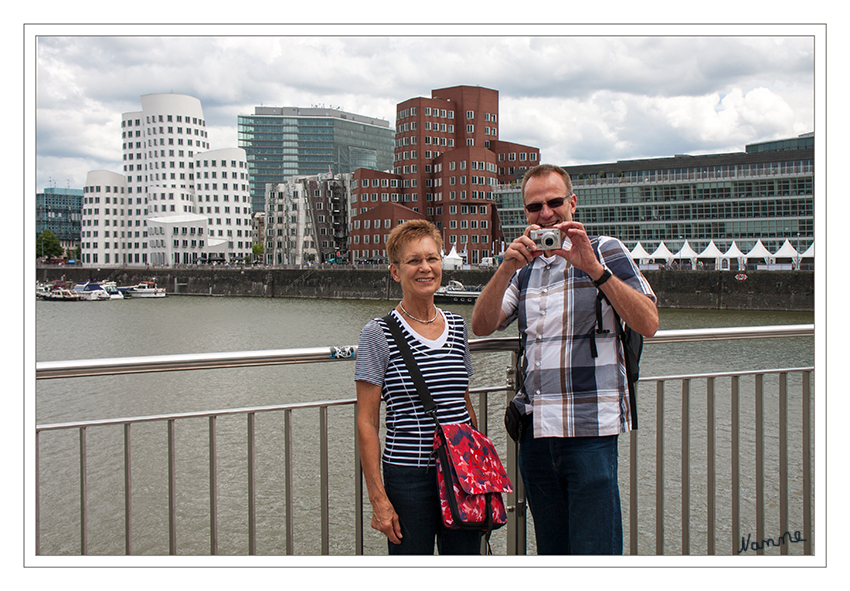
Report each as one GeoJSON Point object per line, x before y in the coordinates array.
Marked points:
{"type": "Point", "coordinates": [580, 99]}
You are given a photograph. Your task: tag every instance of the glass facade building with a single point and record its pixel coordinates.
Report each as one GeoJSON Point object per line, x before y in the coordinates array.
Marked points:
{"type": "Point", "coordinates": [282, 142]}
{"type": "Point", "coordinates": [765, 193]}
{"type": "Point", "coordinates": [60, 211]}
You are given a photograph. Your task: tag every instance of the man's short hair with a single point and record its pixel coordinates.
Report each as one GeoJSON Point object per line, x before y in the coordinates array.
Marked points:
{"type": "Point", "coordinates": [408, 232]}
{"type": "Point", "coordinates": [545, 170]}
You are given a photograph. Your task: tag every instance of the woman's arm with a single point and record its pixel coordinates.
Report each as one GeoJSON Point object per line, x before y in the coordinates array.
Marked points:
{"type": "Point", "coordinates": [470, 409]}
{"type": "Point", "coordinates": [384, 517]}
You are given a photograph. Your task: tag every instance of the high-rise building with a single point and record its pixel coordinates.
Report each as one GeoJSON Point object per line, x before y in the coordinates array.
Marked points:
{"type": "Point", "coordinates": [60, 210]}
{"type": "Point", "coordinates": [177, 201]}
{"type": "Point", "coordinates": [287, 141]}
{"type": "Point", "coordinates": [448, 158]}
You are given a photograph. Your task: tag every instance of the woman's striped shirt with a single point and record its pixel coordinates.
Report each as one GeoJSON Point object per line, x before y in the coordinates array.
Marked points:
{"type": "Point", "coordinates": [446, 367]}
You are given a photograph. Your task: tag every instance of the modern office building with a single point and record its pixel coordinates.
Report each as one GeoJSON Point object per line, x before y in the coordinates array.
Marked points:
{"type": "Point", "coordinates": [448, 159]}
{"type": "Point", "coordinates": [295, 141]}
{"type": "Point", "coordinates": [306, 220]}
{"type": "Point", "coordinates": [764, 193]}
{"type": "Point", "coordinates": [60, 211]}
{"type": "Point", "coordinates": [177, 201]}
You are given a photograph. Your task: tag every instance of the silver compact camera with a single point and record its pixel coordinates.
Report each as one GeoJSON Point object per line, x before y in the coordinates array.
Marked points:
{"type": "Point", "coordinates": [546, 238]}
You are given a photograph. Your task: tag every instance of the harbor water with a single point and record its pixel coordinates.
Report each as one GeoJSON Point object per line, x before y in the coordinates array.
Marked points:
{"type": "Point", "coordinates": [194, 324]}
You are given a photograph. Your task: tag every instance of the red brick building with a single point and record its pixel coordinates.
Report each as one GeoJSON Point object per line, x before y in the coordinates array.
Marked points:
{"type": "Point", "coordinates": [448, 157]}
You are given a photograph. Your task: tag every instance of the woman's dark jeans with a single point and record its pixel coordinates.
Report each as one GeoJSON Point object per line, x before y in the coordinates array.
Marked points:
{"type": "Point", "coordinates": [414, 495]}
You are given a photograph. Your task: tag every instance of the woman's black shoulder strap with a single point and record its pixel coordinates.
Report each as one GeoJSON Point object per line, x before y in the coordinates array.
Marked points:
{"type": "Point", "coordinates": [412, 368]}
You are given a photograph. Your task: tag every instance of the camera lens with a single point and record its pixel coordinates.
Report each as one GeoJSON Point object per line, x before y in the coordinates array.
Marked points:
{"type": "Point", "coordinates": [549, 241]}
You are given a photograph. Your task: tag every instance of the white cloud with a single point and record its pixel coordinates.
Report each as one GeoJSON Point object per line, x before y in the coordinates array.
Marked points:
{"type": "Point", "coordinates": [581, 99]}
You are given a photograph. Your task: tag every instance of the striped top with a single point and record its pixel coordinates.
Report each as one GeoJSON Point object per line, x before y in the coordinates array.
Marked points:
{"type": "Point", "coordinates": [446, 367]}
{"type": "Point", "coordinates": [572, 394]}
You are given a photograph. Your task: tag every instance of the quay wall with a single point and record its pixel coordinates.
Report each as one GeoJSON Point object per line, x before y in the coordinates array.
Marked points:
{"type": "Point", "coordinates": [761, 290]}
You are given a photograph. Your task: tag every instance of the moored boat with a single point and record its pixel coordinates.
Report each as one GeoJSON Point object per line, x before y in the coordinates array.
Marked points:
{"type": "Point", "coordinates": [61, 294]}
{"type": "Point", "coordinates": [91, 291]}
{"type": "Point", "coordinates": [456, 292]}
{"type": "Point", "coordinates": [145, 289]}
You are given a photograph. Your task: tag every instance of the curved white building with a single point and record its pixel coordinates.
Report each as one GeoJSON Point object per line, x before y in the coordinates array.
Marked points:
{"type": "Point", "coordinates": [103, 233]}
{"type": "Point", "coordinates": [167, 188]}
{"type": "Point", "coordinates": [222, 194]}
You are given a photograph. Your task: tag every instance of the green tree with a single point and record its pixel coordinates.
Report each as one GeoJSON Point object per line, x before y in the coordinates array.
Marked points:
{"type": "Point", "coordinates": [257, 250]}
{"type": "Point", "coordinates": [47, 245]}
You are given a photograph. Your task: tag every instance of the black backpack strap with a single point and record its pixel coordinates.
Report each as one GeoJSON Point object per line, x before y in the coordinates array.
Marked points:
{"type": "Point", "coordinates": [412, 368]}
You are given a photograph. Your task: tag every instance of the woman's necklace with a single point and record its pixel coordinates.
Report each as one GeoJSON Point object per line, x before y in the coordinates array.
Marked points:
{"type": "Point", "coordinates": [417, 319]}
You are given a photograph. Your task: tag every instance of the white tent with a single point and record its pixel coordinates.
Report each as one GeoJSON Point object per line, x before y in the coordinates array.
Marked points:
{"type": "Point", "coordinates": [662, 252]}
{"type": "Point", "coordinates": [810, 252]}
{"type": "Point", "coordinates": [712, 252]}
{"type": "Point", "coordinates": [688, 253]}
{"type": "Point", "coordinates": [760, 252]}
{"type": "Point", "coordinates": [452, 261]}
{"type": "Point", "coordinates": [735, 253]}
{"type": "Point", "coordinates": [788, 252]}
{"type": "Point", "coordinates": [639, 252]}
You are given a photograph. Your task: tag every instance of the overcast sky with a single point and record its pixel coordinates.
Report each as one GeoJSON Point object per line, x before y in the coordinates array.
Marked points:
{"type": "Point", "coordinates": [581, 99]}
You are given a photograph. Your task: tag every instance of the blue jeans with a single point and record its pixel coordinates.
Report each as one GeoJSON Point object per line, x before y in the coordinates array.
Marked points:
{"type": "Point", "coordinates": [414, 495]}
{"type": "Point", "coordinates": [572, 491]}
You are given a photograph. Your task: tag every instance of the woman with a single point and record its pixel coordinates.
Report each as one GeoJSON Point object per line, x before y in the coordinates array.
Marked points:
{"type": "Point", "coordinates": [406, 504]}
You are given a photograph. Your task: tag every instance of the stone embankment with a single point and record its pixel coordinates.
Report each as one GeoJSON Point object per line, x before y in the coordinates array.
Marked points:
{"type": "Point", "coordinates": [760, 290]}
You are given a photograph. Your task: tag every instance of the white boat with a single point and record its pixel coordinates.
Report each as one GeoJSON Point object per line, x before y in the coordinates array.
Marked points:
{"type": "Point", "coordinates": [145, 289]}
{"type": "Point", "coordinates": [456, 292]}
{"type": "Point", "coordinates": [61, 295]}
{"type": "Point", "coordinates": [91, 291]}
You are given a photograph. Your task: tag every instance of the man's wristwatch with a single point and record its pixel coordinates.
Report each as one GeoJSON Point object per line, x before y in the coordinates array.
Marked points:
{"type": "Point", "coordinates": [606, 275]}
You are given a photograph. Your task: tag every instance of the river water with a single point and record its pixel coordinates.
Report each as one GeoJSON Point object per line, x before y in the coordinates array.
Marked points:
{"type": "Point", "coordinates": [184, 324]}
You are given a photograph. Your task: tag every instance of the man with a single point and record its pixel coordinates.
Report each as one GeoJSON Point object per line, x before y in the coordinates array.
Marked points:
{"type": "Point", "coordinates": [578, 402]}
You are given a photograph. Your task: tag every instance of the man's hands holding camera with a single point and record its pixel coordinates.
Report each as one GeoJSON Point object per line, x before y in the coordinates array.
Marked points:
{"type": "Point", "coordinates": [567, 240]}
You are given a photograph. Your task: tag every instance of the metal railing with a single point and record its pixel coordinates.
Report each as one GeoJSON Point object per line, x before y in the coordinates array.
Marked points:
{"type": "Point", "coordinates": [517, 524]}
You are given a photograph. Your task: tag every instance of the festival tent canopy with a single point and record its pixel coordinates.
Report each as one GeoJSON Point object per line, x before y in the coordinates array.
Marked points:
{"type": "Point", "coordinates": [787, 251]}
{"type": "Point", "coordinates": [662, 252]}
{"type": "Point", "coordinates": [810, 252]}
{"type": "Point", "coordinates": [452, 260]}
{"type": "Point", "coordinates": [686, 252]}
{"type": "Point", "coordinates": [734, 252]}
{"type": "Point", "coordinates": [711, 252]}
{"type": "Point", "coordinates": [760, 252]}
{"type": "Point", "coordinates": [639, 252]}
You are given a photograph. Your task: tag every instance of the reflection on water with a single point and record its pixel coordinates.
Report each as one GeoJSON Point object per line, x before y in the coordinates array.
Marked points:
{"type": "Point", "coordinates": [212, 324]}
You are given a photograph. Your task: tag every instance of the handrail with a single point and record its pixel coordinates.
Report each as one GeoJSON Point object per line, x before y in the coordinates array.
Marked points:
{"type": "Point", "coordinates": [160, 363]}
{"type": "Point", "coordinates": [516, 530]}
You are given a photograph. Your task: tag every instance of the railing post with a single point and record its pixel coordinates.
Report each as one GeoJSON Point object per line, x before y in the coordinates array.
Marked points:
{"type": "Point", "coordinates": [659, 468]}
{"type": "Point", "coordinates": [711, 472]}
{"type": "Point", "coordinates": [252, 494]}
{"type": "Point", "coordinates": [287, 476]}
{"type": "Point", "coordinates": [686, 467]}
{"type": "Point", "coordinates": [172, 525]}
{"type": "Point", "coordinates": [736, 464]}
{"type": "Point", "coordinates": [323, 498]}
{"type": "Point", "coordinates": [783, 458]}
{"type": "Point", "coordinates": [633, 493]}
{"type": "Point", "coordinates": [760, 460]}
{"type": "Point", "coordinates": [83, 494]}
{"type": "Point", "coordinates": [358, 492]}
{"type": "Point", "coordinates": [213, 488]}
{"type": "Point", "coordinates": [127, 493]}
{"type": "Point", "coordinates": [517, 518]}
{"type": "Point", "coordinates": [807, 463]}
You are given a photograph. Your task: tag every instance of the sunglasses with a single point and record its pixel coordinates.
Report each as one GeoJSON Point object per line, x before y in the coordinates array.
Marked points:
{"type": "Point", "coordinates": [538, 205]}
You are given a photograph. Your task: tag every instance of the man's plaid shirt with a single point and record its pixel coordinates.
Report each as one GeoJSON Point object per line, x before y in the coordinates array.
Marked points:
{"type": "Point", "coordinates": [571, 393]}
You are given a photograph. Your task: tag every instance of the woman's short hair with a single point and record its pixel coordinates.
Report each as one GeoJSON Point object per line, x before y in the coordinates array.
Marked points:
{"type": "Point", "coordinates": [408, 232]}
{"type": "Point", "coordinates": [545, 170]}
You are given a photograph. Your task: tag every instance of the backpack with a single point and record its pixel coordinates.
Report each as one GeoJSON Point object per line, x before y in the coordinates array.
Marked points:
{"type": "Point", "coordinates": [631, 340]}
